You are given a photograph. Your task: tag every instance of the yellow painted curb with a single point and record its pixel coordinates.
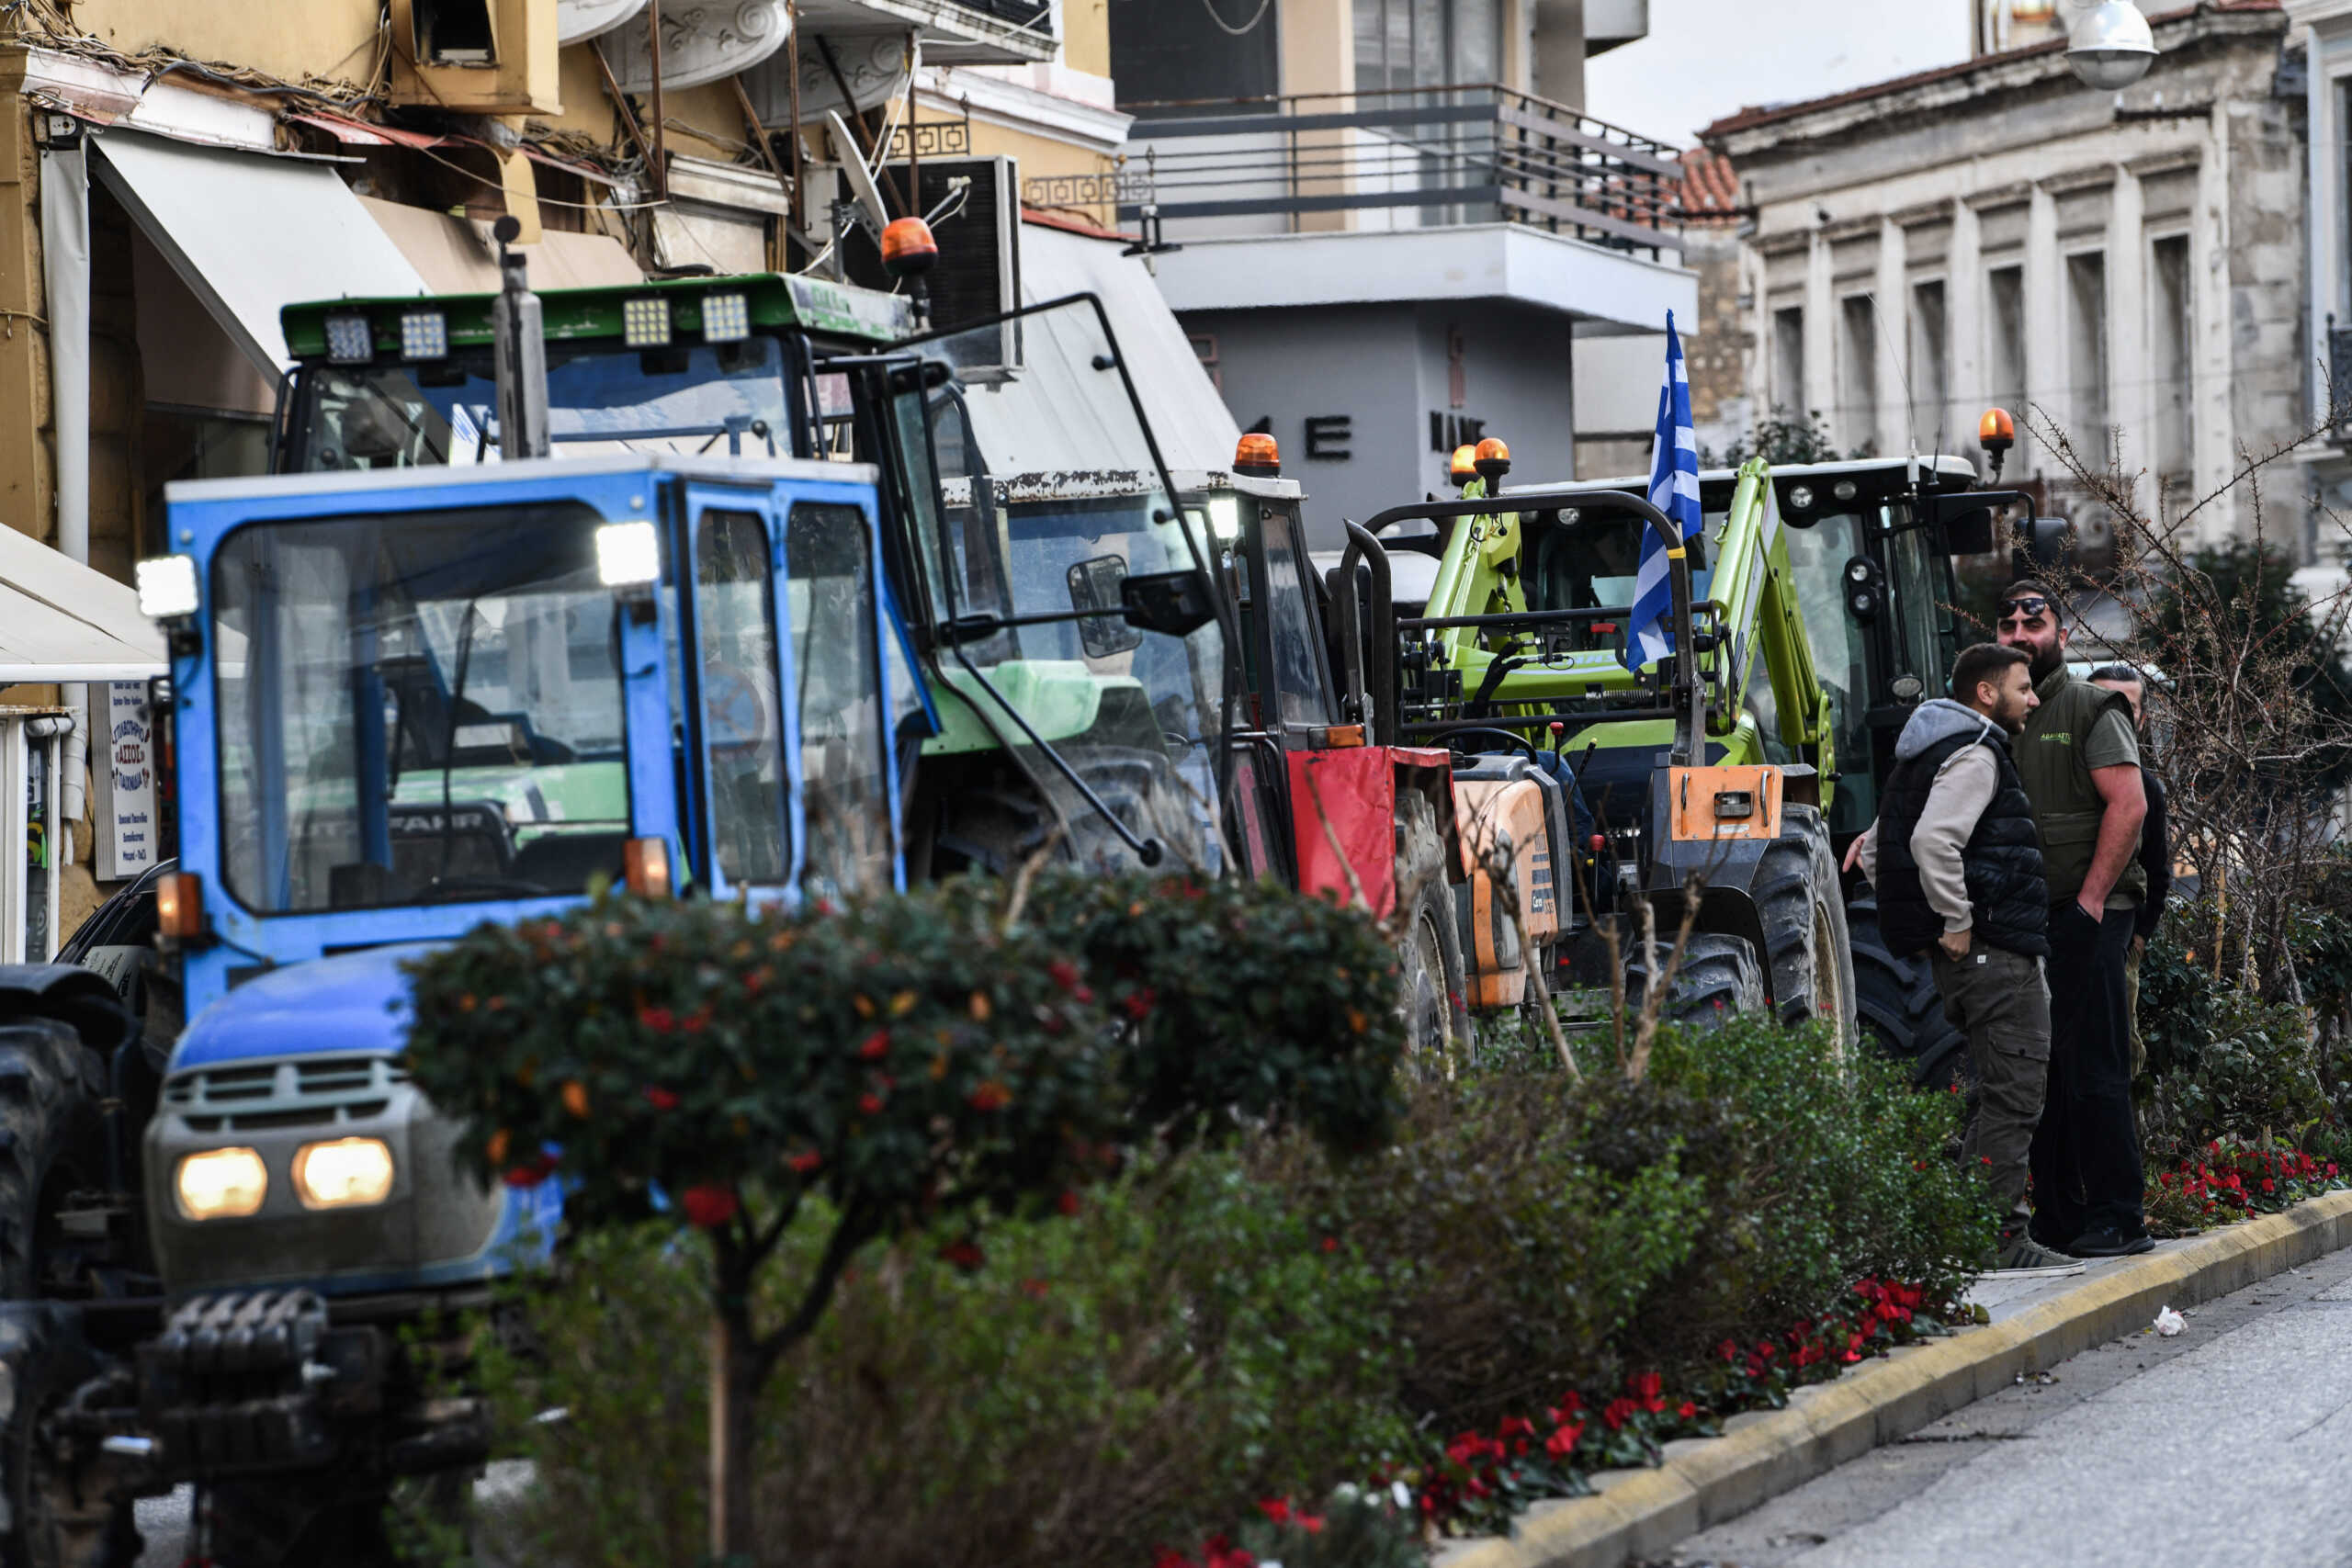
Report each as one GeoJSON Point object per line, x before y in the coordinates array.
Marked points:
{"type": "Point", "coordinates": [1642, 1513]}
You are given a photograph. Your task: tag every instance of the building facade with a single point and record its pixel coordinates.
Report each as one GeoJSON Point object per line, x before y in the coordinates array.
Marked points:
{"type": "Point", "coordinates": [1395, 226]}
{"type": "Point", "coordinates": [2126, 269]}
{"type": "Point", "coordinates": [2324, 35]}
{"type": "Point", "coordinates": [175, 172]}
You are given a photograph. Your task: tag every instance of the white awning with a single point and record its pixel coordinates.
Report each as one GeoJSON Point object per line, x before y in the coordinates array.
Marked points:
{"type": "Point", "coordinates": [456, 255]}
{"type": "Point", "coordinates": [62, 621]}
{"type": "Point", "coordinates": [251, 234]}
{"type": "Point", "coordinates": [1194, 428]}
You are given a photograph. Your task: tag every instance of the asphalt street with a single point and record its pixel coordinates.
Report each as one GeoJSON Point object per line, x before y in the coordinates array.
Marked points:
{"type": "Point", "coordinates": [2229, 1444]}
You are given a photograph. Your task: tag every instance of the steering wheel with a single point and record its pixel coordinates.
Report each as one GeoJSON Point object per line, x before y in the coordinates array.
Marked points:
{"type": "Point", "coordinates": [737, 707]}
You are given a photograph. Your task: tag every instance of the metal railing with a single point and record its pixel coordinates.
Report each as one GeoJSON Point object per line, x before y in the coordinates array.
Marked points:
{"type": "Point", "coordinates": [1035, 16]}
{"type": "Point", "coordinates": [1425, 157]}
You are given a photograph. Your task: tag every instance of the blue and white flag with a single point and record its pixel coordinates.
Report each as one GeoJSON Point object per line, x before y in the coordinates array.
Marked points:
{"type": "Point", "coordinates": [1674, 489]}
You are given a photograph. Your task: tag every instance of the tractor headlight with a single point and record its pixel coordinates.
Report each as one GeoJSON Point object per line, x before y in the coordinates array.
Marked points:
{"type": "Point", "coordinates": [168, 588]}
{"type": "Point", "coordinates": [348, 1173]}
{"type": "Point", "coordinates": [220, 1184]}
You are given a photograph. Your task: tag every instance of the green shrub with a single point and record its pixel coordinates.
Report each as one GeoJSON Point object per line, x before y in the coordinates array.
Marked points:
{"type": "Point", "coordinates": [1141, 1373]}
{"type": "Point", "coordinates": [1539, 1235]}
{"type": "Point", "coordinates": [1239, 995]}
{"type": "Point", "coordinates": [2222, 1063]}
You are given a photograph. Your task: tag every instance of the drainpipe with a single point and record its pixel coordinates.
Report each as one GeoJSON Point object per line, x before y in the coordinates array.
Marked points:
{"type": "Point", "coordinates": [65, 265]}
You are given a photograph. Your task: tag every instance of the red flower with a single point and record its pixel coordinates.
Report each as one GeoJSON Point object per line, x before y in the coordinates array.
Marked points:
{"type": "Point", "coordinates": [1562, 1442]}
{"type": "Point", "coordinates": [805, 1162]}
{"type": "Point", "coordinates": [660, 1099]}
{"type": "Point", "coordinates": [2269, 1185]}
{"type": "Point", "coordinates": [1688, 1411]}
{"type": "Point", "coordinates": [1650, 1388]}
{"type": "Point", "coordinates": [1311, 1523]}
{"type": "Point", "coordinates": [1064, 974]}
{"type": "Point", "coordinates": [1618, 1413]}
{"type": "Point", "coordinates": [870, 1103]}
{"type": "Point", "coordinates": [1277, 1509]}
{"type": "Point", "coordinates": [696, 1020]}
{"type": "Point", "coordinates": [708, 1207]}
{"type": "Point", "coordinates": [965, 1254]}
{"type": "Point", "coordinates": [1140, 1003]}
{"type": "Point", "coordinates": [1330, 1244]}
{"type": "Point", "coordinates": [991, 1096]}
{"type": "Point", "coordinates": [876, 1046]}
{"type": "Point", "coordinates": [661, 1021]}
{"type": "Point", "coordinates": [531, 1175]}
{"type": "Point", "coordinates": [1069, 1203]}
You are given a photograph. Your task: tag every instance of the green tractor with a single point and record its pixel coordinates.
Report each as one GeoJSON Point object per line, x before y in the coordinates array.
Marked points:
{"type": "Point", "coordinates": [1823, 600]}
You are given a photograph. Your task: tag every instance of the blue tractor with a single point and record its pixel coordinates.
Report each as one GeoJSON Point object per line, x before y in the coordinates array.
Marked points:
{"type": "Point", "coordinates": [401, 702]}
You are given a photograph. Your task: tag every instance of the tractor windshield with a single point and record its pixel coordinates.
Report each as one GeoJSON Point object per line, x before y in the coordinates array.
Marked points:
{"type": "Point", "coordinates": [1049, 498]}
{"type": "Point", "coordinates": [417, 709]}
{"type": "Point", "coordinates": [602, 397]}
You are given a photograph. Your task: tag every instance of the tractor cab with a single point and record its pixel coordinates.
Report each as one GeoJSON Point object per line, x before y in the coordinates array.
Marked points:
{"type": "Point", "coordinates": [1062, 681]}
{"type": "Point", "coordinates": [1869, 557]}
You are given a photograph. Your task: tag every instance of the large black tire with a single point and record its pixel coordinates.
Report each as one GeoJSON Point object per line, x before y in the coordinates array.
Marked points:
{"type": "Point", "coordinates": [1902, 1016]}
{"type": "Point", "coordinates": [1432, 979]}
{"type": "Point", "coordinates": [1806, 944]}
{"type": "Point", "coordinates": [1720, 979]}
{"type": "Point", "coordinates": [49, 1141]}
{"type": "Point", "coordinates": [51, 1522]}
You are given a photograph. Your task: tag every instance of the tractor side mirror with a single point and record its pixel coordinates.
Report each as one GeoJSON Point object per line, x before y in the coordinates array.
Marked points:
{"type": "Point", "coordinates": [1968, 520]}
{"type": "Point", "coordinates": [1175, 603]}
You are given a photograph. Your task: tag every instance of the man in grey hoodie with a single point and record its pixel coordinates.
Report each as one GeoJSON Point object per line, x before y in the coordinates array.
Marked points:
{"type": "Point", "coordinates": [1957, 861]}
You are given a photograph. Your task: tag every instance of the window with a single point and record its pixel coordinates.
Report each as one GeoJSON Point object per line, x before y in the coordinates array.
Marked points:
{"type": "Point", "coordinates": [836, 667]}
{"type": "Point", "coordinates": [1857, 373]}
{"type": "Point", "coordinates": [1930, 361]}
{"type": "Point", "coordinates": [2005, 313]}
{"type": "Point", "coordinates": [743, 737]}
{"type": "Point", "coordinates": [1402, 44]}
{"type": "Point", "coordinates": [1788, 360]}
{"type": "Point", "coordinates": [2086, 352]}
{"type": "Point", "coordinates": [1298, 670]}
{"type": "Point", "coordinates": [2172, 331]}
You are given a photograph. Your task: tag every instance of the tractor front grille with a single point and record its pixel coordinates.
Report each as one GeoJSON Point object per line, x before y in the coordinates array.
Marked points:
{"type": "Point", "coordinates": [304, 1092]}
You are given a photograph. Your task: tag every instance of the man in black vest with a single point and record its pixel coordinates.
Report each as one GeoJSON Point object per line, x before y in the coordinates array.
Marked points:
{"type": "Point", "coordinates": [1957, 863]}
{"type": "Point", "coordinates": [2080, 761]}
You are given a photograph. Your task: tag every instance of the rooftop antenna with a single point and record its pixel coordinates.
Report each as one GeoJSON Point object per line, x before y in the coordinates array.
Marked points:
{"type": "Point", "coordinates": [521, 352]}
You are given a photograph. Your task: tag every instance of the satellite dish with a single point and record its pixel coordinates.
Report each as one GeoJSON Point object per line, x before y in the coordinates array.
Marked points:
{"type": "Point", "coordinates": [861, 183]}
{"type": "Point", "coordinates": [2112, 47]}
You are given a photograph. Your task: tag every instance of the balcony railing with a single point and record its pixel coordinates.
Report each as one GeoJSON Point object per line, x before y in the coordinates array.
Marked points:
{"type": "Point", "coordinates": [1424, 158]}
{"type": "Point", "coordinates": [1035, 16]}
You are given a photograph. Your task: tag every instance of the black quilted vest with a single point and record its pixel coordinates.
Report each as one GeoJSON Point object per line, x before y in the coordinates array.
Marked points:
{"type": "Point", "coordinates": [2002, 859]}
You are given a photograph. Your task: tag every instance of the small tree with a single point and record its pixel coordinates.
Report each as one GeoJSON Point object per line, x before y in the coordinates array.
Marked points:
{"type": "Point", "coordinates": [911, 1061]}
{"type": "Point", "coordinates": [1781, 436]}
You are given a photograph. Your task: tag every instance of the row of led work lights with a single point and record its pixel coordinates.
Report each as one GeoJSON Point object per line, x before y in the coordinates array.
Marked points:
{"type": "Point", "coordinates": [646, 323]}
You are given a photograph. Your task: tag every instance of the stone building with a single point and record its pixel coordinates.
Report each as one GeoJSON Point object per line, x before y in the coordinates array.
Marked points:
{"type": "Point", "coordinates": [2128, 267]}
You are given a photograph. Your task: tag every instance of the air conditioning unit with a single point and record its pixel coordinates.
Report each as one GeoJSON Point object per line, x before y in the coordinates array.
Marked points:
{"type": "Point", "coordinates": [476, 56]}
{"type": "Point", "coordinates": [979, 275]}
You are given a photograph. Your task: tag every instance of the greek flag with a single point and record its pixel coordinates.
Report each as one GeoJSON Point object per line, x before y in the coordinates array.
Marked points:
{"type": "Point", "coordinates": [1674, 489]}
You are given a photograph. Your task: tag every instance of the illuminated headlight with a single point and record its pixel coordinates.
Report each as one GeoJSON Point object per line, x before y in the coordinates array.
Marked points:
{"type": "Point", "coordinates": [725, 318]}
{"type": "Point", "coordinates": [1801, 498]}
{"type": "Point", "coordinates": [351, 340]}
{"type": "Point", "coordinates": [627, 555]}
{"type": "Point", "coordinates": [168, 588]}
{"type": "Point", "coordinates": [424, 334]}
{"type": "Point", "coordinates": [220, 1184]}
{"type": "Point", "coordinates": [645, 321]}
{"type": "Point", "coordinates": [348, 1173]}
{"type": "Point", "coordinates": [1225, 517]}
{"type": "Point", "coordinates": [1858, 572]}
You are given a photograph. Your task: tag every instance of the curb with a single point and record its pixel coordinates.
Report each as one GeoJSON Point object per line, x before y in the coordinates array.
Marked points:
{"type": "Point", "coordinates": [1637, 1514]}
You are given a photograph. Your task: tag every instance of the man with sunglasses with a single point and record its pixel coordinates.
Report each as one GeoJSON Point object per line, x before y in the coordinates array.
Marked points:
{"type": "Point", "coordinates": [2079, 758]}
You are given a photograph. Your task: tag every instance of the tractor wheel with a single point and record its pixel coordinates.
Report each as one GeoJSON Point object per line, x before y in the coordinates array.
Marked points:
{"type": "Point", "coordinates": [1806, 942]}
{"type": "Point", "coordinates": [1432, 981]}
{"type": "Point", "coordinates": [1902, 1016]}
{"type": "Point", "coordinates": [51, 1146]}
{"type": "Point", "coordinates": [53, 1521]}
{"type": "Point", "coordinates": [1720, 978]}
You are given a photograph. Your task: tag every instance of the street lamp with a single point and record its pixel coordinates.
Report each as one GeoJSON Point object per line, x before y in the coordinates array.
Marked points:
{"type": "Point", "coordinates": [2112, 47]}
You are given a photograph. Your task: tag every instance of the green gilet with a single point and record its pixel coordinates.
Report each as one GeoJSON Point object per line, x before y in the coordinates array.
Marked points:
{"type": "Point", "coordinates": [2066, 804]}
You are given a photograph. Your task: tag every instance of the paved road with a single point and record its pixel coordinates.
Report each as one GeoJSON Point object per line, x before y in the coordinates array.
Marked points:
{"type": "Point", "coordinates": [2229, 1445]}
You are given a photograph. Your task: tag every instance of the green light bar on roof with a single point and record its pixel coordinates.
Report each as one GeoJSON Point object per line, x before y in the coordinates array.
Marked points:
{"type": "Point", "coordinates": [715, 309]}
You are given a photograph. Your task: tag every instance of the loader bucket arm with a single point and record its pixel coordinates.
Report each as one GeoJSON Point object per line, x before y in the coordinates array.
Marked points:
{"type": "Point", "coordinates": [1687, 709]}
